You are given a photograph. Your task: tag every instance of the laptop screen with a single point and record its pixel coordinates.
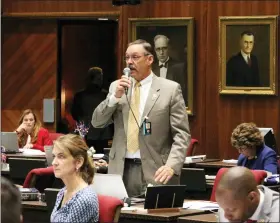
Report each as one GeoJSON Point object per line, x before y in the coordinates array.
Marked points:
{"type": "Point", "coordinates": [49, 155]}
{"type": "Point", "coordinates": [9, 141]}
{"type": "Point", "coordinates": [110, 185]}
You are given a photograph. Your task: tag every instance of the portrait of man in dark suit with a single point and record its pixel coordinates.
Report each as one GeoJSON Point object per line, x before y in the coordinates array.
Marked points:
{"type": "Point", "coordinates": [242, 69]}
{"type": "Point", "coordinates": [167, 67]}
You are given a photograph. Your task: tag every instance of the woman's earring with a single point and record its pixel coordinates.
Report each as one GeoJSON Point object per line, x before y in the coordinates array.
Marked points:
{"type": "Point", "coordinates": [77, 169]}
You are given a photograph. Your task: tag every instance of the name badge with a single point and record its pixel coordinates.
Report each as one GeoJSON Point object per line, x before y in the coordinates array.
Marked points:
{"type": "Point", "coordinates": [147, 128]}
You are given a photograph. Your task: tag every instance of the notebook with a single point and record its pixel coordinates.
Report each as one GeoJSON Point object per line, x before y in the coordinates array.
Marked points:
{"type": "Point", "coordinates": [110, 185]}
{"type": "Point", "coordinates": [9, 141]}
{"type": "Point", "coordinates": [194, 179]}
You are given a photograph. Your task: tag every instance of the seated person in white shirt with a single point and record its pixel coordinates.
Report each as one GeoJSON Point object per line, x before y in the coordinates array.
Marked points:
{"type": "Point", "coordinates": [241, 200]}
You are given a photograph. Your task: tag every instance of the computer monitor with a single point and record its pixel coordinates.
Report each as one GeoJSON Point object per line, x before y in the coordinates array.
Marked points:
{"type": "Point", "coordinates": [269, 138]}
{"type": "Point", "coordinates": [193, 179]}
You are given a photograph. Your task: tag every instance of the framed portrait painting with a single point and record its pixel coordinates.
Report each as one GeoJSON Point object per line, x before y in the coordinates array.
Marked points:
{"type": "Point", "coordinates": [173, 42]}
{"type": "Point", "coordinates": [248, 55]}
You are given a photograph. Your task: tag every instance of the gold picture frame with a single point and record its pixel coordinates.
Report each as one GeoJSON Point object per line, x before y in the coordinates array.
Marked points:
{"type": "Point", "coordinates": [248, 55]}
{"type": "Point", "coordinates": [180, 32]}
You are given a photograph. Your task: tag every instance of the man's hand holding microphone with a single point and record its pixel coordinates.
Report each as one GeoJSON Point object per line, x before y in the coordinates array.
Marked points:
{"type": "Point", "coordinates": [123, 84]}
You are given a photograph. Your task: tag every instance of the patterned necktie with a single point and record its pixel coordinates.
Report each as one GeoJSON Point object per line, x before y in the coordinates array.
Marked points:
{"type": "Point", "coordinates": [249, 61]}
{"type": "Point", "coordinates": [133, 126]}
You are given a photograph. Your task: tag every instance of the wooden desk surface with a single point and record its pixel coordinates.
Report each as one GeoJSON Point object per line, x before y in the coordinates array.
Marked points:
{"type": "Point", "coordinates": [203, 218]}
{"type": "Point", "coordinates": [217, 164]}
{"type": "Point", "coordinates": [34, 205]}
{"type": "Point", "coordinates": [142, 214]}
{"type": "Point", "coordinates": [21, 155]}
{"type": "Point", "coordinates": [194, 164]}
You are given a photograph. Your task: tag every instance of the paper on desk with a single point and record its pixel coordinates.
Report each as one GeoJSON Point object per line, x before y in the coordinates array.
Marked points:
{"type": "Point", "coordinates": [32, 152]}
{"type": "Point", "coordinates": [131, 208]}
{"type": "Point", "coordinates": [191, 159]}
{"type": "Point", "coordinates": [5, 167]}
{"type": "Point", "coordinates": [210, 177]}
{"type": "Point", "coordinates": [201, 205]}
{"type": "Point", "coordinates": [230, 161]}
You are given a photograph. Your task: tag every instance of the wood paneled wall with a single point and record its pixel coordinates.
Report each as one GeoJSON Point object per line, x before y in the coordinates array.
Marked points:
{"type": "Point", "coordinates": [28, 68]}
{"type": "Point", "coordinates": [215, 115]}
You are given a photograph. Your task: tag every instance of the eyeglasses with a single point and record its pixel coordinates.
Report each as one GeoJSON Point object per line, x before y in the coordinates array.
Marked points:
{"type": "Point", "coordinates": [135, 58]}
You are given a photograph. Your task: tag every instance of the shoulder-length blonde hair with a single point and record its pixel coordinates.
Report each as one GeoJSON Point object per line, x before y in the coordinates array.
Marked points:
{"type": "Point", "coordinates": [35, 130]}
{"type": "Point", "coordinates": [78, 148]}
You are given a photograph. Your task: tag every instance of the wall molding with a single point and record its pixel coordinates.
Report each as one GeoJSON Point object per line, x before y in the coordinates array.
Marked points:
{"type": "Point", "coordinates": [106, 14]}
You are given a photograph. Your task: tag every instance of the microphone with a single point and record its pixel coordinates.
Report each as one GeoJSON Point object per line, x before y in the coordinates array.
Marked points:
{"type": "Point", "coordinates": [126, 72]}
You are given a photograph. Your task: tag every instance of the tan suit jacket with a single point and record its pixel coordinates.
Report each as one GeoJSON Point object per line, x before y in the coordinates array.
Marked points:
{"type": "Point", "coordinates": [170, 138]}
{"type": "Point", "coordinates": [270, 208]}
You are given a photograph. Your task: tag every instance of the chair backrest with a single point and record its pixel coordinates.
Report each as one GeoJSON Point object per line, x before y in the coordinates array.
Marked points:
{"type": "Point", "coordinates": [55, 135]}
{"type": "Point", "coordinates": [192, 147]}
{"type": "Point", "coordinates": [40, 178]}
{"type": "Point", "coordinates": [258, 174]}
{"type": "Point", "coordinates": [20, 167]}
{"type": "Point", "coordinates": [109, 208]}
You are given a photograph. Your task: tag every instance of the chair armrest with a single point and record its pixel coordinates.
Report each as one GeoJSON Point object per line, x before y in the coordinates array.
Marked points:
{"type": "Point", "coordinates": [117, 213]}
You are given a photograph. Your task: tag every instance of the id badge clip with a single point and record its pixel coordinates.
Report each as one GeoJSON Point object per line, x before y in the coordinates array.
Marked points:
{"type": "Point", "coordinates": [147, 127]}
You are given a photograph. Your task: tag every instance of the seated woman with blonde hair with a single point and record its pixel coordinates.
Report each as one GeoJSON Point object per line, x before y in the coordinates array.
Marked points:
{"type": "Point", "coordinates": [30, 133]}
{"type": "Point", "coordinates": [254, 154]}
{"type": "Point", "coordinates": [77, 201]}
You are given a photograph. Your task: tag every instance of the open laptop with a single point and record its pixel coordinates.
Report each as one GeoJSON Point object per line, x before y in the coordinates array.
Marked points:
{"type": "Point", "coordinates": [110, 185]}
{"type": "Point", "coordinates": [49, 155]}
{"type": "Point", "coordinates": [9, 141]}
{"type": "Point", "coordinates": [194, 179]}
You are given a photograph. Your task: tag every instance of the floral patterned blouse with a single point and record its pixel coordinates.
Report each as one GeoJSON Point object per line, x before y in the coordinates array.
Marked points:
{"type": "Point", "coordinates": [82, 207]}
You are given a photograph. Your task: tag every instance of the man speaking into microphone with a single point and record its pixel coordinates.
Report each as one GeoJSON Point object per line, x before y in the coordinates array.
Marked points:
{"type": "Point", "coordinates": [151, 124]}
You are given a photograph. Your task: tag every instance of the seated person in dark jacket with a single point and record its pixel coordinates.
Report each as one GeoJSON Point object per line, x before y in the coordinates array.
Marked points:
{"type": "Point", "coordinates": [254, 154]}
{"type": "Point", "coordinates": [83, 106]}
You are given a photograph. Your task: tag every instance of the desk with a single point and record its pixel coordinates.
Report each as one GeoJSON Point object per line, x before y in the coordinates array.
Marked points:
{"type": "Point", "coordinates": [141, 215]}
{"type": "Point", "coordinates": [35, 211]}
{"type": "Point", "coordinates": [21, 155]}
{"type": "Point", "coordinates": [211, 168]}
{"type": "Point", "coordinates": [203, 218]}
{"type": "Point", "coordinates": [194, 164]}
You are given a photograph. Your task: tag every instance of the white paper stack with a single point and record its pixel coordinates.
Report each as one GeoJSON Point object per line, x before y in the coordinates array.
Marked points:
{"type": "Point", "coordinates": [193, 159]}
{"type": "Point", "coordinates": [32, 152]}
{"type": "Point", "coordinates": [233, 161]}
{"type": "Point", "coordinates": [201, 205]}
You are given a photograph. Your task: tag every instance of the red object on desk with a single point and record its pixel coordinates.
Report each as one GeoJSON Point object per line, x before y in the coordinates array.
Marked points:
{"type": "Point", "coordinates": [109, 208]}
{"type": "Point", "coordinates": [258, 174]}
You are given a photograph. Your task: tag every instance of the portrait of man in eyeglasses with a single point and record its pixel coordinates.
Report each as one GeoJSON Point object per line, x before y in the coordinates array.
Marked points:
{"type": "Point", "coordinates": [167, 67]}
